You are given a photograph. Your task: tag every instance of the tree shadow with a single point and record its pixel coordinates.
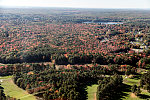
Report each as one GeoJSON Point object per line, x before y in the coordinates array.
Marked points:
{"type": "Point", "coordinates": [143, 96]}
{"type": "Point", "coordinates": [1, 88]}
{"type": "Point", "coordinates": [136, 77]}
{"type": "Point", "coordinates": [121, 92]}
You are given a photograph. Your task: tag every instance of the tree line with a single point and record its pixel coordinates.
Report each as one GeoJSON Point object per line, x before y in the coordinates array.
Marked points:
{"type": "Point", "coordinates": [66, 84]}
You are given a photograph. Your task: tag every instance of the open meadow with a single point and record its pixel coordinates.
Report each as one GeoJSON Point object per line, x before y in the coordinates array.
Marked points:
{"type": "Point", "coordinates": [13, 90]}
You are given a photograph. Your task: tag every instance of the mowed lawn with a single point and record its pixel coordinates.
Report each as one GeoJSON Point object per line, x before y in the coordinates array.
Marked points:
{"type": "Point", "coordinates": [130, 96]}
{"type": "Point", "coordinates": [91, 90]}
{"type": "Point", "coordinates": [14, 91]}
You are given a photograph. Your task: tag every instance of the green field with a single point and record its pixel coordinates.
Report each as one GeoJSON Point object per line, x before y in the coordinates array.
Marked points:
{"type": "Point", "coordinates": [130, 82]}
{"type": "Point", "coordinates": [91, 90]}
{"type": "Point", "coordinates": [14, 91]}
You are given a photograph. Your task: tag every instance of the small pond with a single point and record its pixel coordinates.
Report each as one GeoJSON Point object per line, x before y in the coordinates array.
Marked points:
{"type": "Point", "coordinates": [111, 23]}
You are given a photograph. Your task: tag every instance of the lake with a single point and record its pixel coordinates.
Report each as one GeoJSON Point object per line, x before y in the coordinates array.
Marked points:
{"type": "Point", "coordinates": [111, 23]}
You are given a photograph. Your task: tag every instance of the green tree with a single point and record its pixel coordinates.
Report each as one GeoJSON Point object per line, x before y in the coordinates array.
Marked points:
{"type": "Point", "coordinates": [134, 88]}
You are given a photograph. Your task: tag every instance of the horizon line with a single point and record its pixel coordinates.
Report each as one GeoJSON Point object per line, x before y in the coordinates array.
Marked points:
{"type": "Point", "coordinates": [65, 7]}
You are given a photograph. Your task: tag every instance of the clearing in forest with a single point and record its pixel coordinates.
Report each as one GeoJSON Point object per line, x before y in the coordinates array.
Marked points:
{"type": "Point", "coordinates": [130, 96]}
{"type": "Point", "coordinates": [13, 90]}
{"type": "Point", "coordinates": [91, 90]}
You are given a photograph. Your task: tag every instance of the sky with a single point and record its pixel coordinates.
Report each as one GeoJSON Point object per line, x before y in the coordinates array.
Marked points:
{"type": "Point", "coordinates": [77, 3]}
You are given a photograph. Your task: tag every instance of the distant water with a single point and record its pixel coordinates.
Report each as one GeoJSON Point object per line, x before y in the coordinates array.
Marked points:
{"type": "Point", "coordinates": [104, 22]}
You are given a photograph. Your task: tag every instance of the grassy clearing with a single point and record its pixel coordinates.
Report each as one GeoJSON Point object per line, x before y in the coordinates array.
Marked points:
{"type": "Point", "coordinates": [6, 77]}
{"type": "Point", "coordinates": [14, 91]}
{"type": "Point", "coordinates": [91, 90]}
{"type": "Point", "coordinates": [130, 82]}
{"type": "Point", "coordinates": [127, 94]}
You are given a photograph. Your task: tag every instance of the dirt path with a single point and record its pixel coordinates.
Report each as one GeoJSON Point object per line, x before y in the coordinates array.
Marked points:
{"type": "Point", "coordinates": [133, 95]}
{"type": "Point", "coordinates": [94, 96]}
